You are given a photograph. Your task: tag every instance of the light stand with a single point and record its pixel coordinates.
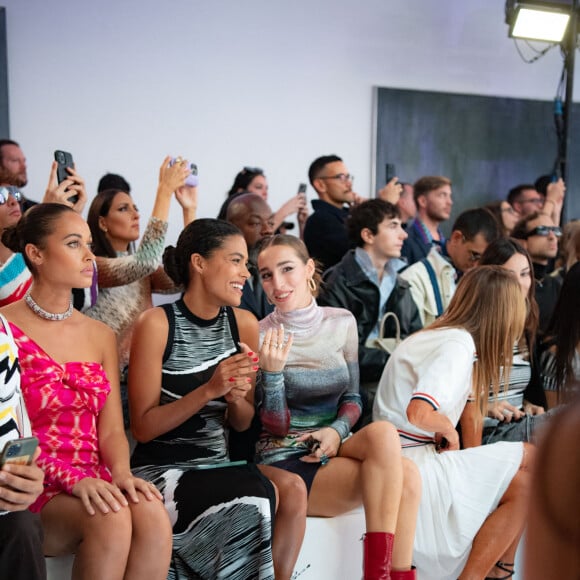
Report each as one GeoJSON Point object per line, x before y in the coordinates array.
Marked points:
{"type": "Point", "coordinates": [569, 44]}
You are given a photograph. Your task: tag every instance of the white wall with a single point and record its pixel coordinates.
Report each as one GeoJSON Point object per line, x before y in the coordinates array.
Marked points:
{"type": "Point", "coordinates": [227, 83]}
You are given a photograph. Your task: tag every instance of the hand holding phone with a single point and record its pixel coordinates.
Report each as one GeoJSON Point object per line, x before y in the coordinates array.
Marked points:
{"type": "Point", "coordinates": [192, 179]}
{"type": "Point", "coordinates": [390, 172]}
{"type": "Point", "coordinates": [19, 451]}
{"type": "Point", "coordinates": [64, 160]}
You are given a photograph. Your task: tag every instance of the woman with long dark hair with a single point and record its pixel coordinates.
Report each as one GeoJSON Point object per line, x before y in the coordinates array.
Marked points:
{"type": "Point", "coordinates": [517, 411]}
{"type": "Point", "coordinates": [561, 362]}
{"type": "Point", "coordinates": [127, 278]}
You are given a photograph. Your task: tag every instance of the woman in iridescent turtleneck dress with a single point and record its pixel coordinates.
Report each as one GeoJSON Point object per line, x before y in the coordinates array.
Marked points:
{"type": "Point", "coordinates": [309, 401]}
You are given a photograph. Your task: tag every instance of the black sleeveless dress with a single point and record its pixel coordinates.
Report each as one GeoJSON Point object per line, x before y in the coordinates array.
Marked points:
{"type": "Point", "coordinates": [221, 514]}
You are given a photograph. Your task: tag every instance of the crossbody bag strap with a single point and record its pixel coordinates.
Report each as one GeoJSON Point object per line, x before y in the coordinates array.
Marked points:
{"type": "Point", "coordinates": [435, 285]}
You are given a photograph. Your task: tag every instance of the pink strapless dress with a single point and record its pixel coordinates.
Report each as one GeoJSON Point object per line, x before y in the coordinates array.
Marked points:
{"type": "Point", "coordinates": [63, 402]}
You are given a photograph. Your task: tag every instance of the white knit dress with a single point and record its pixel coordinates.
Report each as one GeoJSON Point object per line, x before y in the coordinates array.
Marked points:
{"type": "Point", "coordinates": [460, 488]}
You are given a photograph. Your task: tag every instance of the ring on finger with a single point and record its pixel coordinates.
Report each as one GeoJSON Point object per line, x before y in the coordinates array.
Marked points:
{"type": "Point", "coordinates": [324, 459]}
{"type": "Point", "coordinates": [280, 345]}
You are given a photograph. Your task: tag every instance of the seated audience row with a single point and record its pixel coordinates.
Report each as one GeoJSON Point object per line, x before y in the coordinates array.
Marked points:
{"type": "Point", "coordinates": [187, 401]}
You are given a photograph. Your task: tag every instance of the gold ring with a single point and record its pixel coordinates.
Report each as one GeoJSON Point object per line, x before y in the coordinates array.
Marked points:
{"type": "Point", "coordinates": [179, 159]}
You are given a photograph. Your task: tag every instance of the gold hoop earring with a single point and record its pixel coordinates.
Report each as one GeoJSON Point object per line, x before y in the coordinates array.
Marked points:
{"type": "Point", "coordinates": [312, 285]}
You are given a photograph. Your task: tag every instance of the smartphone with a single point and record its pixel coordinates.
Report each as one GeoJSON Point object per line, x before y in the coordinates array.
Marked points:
{"type": "Point", "coordinates": [302, 189]}
{"type": "Point", "coordinates": [64, 160]}
{"type": "Point", "coordinates": [390, 172]}
{"type": "Point", "coordinates": [19, 451]}
{"type": "Point", "coordinates": [192, 179]}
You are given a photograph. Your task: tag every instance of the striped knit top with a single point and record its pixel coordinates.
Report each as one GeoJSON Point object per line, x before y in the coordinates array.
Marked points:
{"type": "Point", "coordinates": [194, 349]}
{"type": "Point", "coordinates": [319, 386]}
{"type": "Point", "coordinates": [15, 279]}
{"type": "Point", "coordinates": [518, 380]}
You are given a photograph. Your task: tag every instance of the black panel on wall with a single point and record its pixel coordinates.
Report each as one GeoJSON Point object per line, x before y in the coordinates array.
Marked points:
{"type": "Point", "coordinates": [4, 117]}
{"type": "Point", "coordinates": [485, 145]}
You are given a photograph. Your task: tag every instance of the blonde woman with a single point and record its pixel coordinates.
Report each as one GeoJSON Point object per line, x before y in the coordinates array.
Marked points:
{"type": "Point", "coordinates": [309, 403]}
{"type": "Point", "coordinates": [473, 504]}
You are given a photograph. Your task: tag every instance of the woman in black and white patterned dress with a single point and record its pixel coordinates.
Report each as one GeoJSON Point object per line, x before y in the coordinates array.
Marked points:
{"type": "Point", "coordinates": [191, 379]}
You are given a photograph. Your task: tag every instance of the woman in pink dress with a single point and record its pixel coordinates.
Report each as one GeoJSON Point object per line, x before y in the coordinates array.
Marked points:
{"type": "Point", "coordinates": [91, 505]}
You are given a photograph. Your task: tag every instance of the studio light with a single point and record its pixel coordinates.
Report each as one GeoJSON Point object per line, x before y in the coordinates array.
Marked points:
{"type": "Point", "coordinates": [538, 20]}
{"type": "Point", "coordinates": [557, 22]}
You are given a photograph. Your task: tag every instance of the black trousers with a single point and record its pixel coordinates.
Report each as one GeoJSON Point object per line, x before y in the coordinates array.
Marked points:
{"type": "Point", "coordinates": [21, 555]}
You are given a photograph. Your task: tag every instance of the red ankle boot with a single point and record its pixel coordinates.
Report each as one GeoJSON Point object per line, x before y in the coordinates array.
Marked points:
{"type": "Point", "coordinates": [378, 553]}
{"type": "Point", "coordinates": [404, 574]}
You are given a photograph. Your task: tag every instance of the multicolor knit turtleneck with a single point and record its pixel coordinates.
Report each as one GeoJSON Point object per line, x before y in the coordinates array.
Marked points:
{"type": "Point", "coordinates": [319, 386]}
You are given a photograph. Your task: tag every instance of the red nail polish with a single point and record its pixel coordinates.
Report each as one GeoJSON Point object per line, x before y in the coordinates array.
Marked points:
{"type": "Point", "coordinates": [256, 359]}
{"type": "Point", "coordinates": [250, 354]}
{"type": "Point", "coordinates": [255, 367]}
{"type": "Point", "coordinates": [231, 379]}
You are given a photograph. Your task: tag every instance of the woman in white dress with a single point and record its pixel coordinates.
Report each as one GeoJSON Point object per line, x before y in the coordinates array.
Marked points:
{"type": "Point", "coordinates": [473, 504]}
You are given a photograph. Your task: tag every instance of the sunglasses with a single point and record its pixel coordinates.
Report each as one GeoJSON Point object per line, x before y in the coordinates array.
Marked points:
{"type": "Point", "coordinates": [6, 190]}
{"type": "Point", "coordinates": [544, 231]}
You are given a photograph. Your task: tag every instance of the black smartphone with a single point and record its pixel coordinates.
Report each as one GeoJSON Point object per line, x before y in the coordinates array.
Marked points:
{"type": "Point", "coordinates": [390, 172]}
{"type": "Point", "coordinates": [64, 160]}
{"type": "Point", "coordinates": [19, 451]}
{"type": "Point", "coordinates": [302, 189]}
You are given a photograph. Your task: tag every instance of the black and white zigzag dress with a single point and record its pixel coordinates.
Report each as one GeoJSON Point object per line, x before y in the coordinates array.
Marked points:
{"type": "Point", "coordinates": [221, 516]}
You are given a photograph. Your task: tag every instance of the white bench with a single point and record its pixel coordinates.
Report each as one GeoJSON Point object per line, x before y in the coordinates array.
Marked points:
{"type": "Point", "coordinates": [332, 550]}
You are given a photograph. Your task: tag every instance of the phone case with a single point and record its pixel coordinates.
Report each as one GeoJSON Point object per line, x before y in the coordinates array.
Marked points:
{"type": "Point", "coordinates": [19, 451]}
{"type": "Point", "coordinates": [64, 160]}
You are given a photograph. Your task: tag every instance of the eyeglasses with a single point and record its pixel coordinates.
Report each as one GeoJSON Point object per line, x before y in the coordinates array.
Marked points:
{"type": "Point", "coordinates": [544, 231]}
{"type": "Point", "coordinates": [534, 200]}
{"type": "Point", "coordinates": [256, 170]}
{"type": "Point", "coordinates": [6, 190]}
{"type": "Point", "coordinates": [474, 256]}
{"type": "Point", "coordinates": [342, 177]}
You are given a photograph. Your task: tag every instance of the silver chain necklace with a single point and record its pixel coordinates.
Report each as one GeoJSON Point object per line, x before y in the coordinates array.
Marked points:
{"type": "Point", "coordinates": [39, 311]}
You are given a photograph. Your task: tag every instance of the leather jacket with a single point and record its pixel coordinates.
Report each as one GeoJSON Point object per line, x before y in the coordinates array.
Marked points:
{"type": "Point", "coordinates": [345, 285]}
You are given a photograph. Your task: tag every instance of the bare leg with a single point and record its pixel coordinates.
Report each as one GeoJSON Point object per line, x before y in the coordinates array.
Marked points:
{"type": "Point", "coordinates": [152, 541]}
{"type": "Point", "coordinates": [407, 517]}
{"type": "Point", "coordinates": [502, 528]}
{"type": "Point", "coordinates": [369, 468]}
{"type": "Point", "coordinates": [290, 519]}
{"type": "Point", "coordinates": [101, 542]}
